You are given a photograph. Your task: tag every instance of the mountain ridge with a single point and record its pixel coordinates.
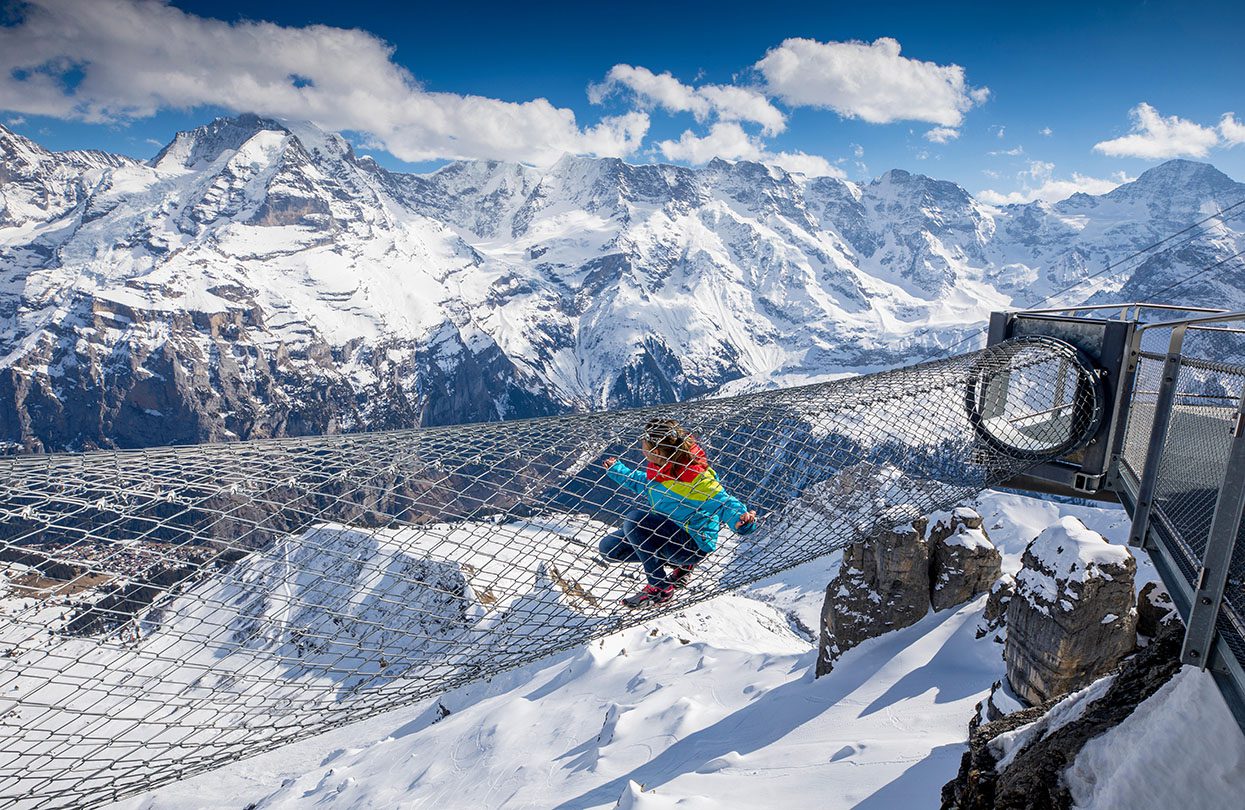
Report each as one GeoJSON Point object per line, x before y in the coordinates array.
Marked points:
{"type": "Point", "coordinates": [259, 278]}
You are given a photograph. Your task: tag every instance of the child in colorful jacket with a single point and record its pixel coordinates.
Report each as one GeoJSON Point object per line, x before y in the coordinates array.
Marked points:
{"type": "Point", "coordinates": [686, 506]}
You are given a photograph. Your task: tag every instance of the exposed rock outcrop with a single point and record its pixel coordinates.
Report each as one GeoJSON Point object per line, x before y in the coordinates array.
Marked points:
{"type": "Point", "coordinates": [962, 560]}
{"type": "Point", "coordinates": [1000, 703]}
{"type": "Point", "coordinates": [882, 585]}
{"type": "Point", "coordinates": [1073, 616]}
{"type": "Point", "coordinates": [1155, 610]}
{"type": "Point", "coordinates": [889, 582]}
{"type": "Point", "coordinates": [1018, 761]}
{"type": "Point", "coordinates": [994, 618]}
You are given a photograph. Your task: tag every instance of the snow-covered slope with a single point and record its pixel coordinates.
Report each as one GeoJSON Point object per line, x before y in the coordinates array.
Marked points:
{"type": "Point", "coordinates": [1194, 755]}
{"type": "Point", "coordinates": [258, 278]}
{"type": "Point", "coordinates": [711, 707]}
{"type": "Point", "coordinates": [714, 707]}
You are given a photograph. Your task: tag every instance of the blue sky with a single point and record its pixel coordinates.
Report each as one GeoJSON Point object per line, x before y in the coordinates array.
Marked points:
{"type": "Point", "coordinates": [1012, 103]}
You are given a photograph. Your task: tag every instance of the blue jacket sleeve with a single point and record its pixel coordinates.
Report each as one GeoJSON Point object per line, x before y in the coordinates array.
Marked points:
{"type": "Point", "coordinates": [628, 478]}
{"type": "Point", "coordinates": [731, 509]}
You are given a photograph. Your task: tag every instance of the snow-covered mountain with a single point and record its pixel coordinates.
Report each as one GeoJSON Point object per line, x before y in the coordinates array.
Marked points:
{"type": "Point", "coordinates": [258, 278]}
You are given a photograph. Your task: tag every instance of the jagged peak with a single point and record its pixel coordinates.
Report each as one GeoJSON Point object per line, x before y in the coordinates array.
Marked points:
{"type": "Point", "coordinates": [316, 140]}
{"type": "Point", "coordinates": [200, 146]}
{"type": "Point", "coordinates": [1176, 176]}
{"type": "Point", "coordinates": [481, 166]}
{"type": "Point", "coordinates": [13, 145]}
{"type": "Point", "coordinates": [909, 187]}
{"type": "Point", "coordinates": [901, 177]}
{"type": "Point", "coordinates": [745, 169]}
{"type": "Point", "coordinates": [604, 178]}
{"type": "Point", "coordinates": [756, 168]}
{"type": "Point", "coordinates": [463, 182]}
{"type": "Point", "coordinates": [19, 155]}
{"type": "Point", "coordinates": [16, 148]}
{"type": "Point", "coordinates": [1181, 168]}
{"type": "Point", "coordinates": [897, 176]}
{"type": "Point", "coordinates": [586, 166]}
{"type": "Point", "coordinates": [575, 159]}
{"type": "Point", "coordinates": [205, 144]}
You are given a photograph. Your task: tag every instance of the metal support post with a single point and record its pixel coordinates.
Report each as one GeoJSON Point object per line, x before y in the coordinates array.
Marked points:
{"type": "Point", "coordinates": [1123, 411]}
{"type": "Point", "coordinates": [1225, 524]}
{"type": "Point", "coordinates": [1158, 437]}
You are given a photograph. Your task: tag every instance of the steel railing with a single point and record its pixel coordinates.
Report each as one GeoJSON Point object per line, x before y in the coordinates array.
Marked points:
{"type": "Point", "coordinates": [1179, 468]}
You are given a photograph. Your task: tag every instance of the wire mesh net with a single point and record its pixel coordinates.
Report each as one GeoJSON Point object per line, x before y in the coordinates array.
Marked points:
{"type": "Point", "coordinates": [1146, 381]}
{"type": "Point", "coordinates": [169, 610]}
{"type": "Point", "coordinates": [1195, 451]}
{"type": "Point", "coordinates": [1193, 469]}
{"type": "Point", "coordinates": [1193, 465]}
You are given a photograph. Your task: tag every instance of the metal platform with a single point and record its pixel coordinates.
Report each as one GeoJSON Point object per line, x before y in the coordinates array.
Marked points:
{"type": "Point", "coordinates": [1172, 452]}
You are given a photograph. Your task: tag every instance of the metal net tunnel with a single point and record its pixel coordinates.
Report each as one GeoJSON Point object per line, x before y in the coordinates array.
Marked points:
{"type": "Point", "coordinates": [169, 610]}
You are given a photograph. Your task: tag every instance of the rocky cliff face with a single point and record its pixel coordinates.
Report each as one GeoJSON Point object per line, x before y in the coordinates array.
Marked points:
{"type": "Point", "coordinates": [882, 585]}
{"type": "Point", "coordinates": [963, 561]}
{"type": "Point", "coordinates": [1018, 762]}
{"type": "Point", "coordinates": [889, 581]}
{"type": "Point", "coordinates": [1155, 610]}
{"type": "Point", "coordinates": [993, 618]}
{"type": "Point", "coordinates": [258, 278]}
{"type": "Point", "coordinates": [1073, 616]}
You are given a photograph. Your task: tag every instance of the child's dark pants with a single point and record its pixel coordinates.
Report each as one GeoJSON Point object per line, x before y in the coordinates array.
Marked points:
{"type": "Point", "coordinates": [654, 541]}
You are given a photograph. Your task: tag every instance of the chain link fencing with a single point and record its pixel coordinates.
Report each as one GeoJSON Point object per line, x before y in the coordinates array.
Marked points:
{"type": "Point", "coordinates": [166, 611]}
{"type": "Point", "coordinates": [1204, 376]}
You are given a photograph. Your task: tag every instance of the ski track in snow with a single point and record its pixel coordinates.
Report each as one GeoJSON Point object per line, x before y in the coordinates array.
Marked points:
{"type": "Point", "coordinates": [715, 706]}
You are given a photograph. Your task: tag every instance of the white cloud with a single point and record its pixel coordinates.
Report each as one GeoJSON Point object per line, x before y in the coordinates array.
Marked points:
{"type": "Point", "coordinates": [1233, 131]}
{"type": "Point", "coordinates": [1002, 131]}
{"type": "Point", "coordinates": [1013, 152]}
{"type": "Point", "coordinates": [662, 90]}
{"type": "Point", "coordinates": [726, 140]}
{"type": "Point", "coordinates": [1156, 137]}
{"type": "Point", "coordinates": [743, 104]}
{"type": "Point", "coordinates": [858, 150]}
{"type": "Point", "coordinates": [729, 141]}
{"type": "Point", "coordinates": [726, 102]}
{"type": "Point", "coordinates": [871, 81]}
{"type": "Point", "coordinates": [1045, 132]}
{"type": "Point", "coordinates": [16, 121]}
{"type": "Point", "coordinates": [992, 197]}
{"type": "Point", "coordinates": [1038, 182]}
{"type": "Point", "coordinates": [113, 60]}
{"type": "Point", "coordinates": [942, 134]}
{"type": "Point", "coordinates": [803, 163]}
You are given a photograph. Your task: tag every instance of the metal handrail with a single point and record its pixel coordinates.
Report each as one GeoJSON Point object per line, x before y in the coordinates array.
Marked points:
{"type": "Point", "coordinates": [1191, 395]}
{"type": "Point", "coordinates": [1220, 316]}
{"type": "Point", "coordinates": [1124, 308]}
{"type": "Point", "coordinates": [1205, 595]}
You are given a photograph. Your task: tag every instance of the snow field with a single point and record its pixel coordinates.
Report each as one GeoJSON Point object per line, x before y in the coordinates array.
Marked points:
{"type": "Point", "coordinates": [714, 706]}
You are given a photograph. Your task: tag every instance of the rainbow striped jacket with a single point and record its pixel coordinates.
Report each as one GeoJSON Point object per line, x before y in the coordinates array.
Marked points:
{"type": "Point", "coordinates": [700, 505]}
